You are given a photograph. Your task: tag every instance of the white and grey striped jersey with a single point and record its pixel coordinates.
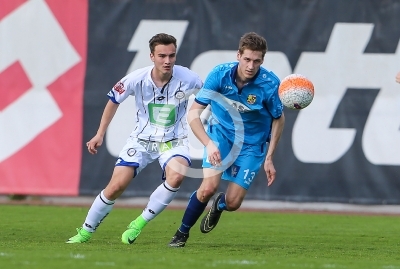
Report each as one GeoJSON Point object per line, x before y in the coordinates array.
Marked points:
{"type": "Point", "coordinates": [160, 112]}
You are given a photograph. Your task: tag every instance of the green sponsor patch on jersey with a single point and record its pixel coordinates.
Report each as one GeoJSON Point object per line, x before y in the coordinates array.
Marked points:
{"type": "Point", "coordinates": [162, 115]}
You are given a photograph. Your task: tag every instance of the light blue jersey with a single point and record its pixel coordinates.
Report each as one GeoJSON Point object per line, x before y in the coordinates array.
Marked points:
{"type": "Point", "coordinates": [241, 120]}
{"type": "Point", "coordinates": [255, 105]}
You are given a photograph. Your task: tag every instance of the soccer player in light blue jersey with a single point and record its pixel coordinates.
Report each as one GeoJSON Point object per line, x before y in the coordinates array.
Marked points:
{"type": "Point", "coordinates": [244, 130]}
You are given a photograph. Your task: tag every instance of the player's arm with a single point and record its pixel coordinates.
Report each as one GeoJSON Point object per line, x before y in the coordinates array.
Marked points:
{"type": "Point", "coordinates": [197, 127]}
{"type": "Point", "coordinates": [203, 99]}
{"type": "Point", "coordinates": [108, 114]}
{"type": "Point", "coordinates": [205, 115]}
{"type": "Point", "coordinates": [195, 122]}
{"type": "Point", "coordinates": [276, 133]}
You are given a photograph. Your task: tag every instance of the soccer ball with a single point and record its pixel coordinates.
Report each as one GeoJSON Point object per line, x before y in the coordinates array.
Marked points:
{"type": "Point", "coordinates": [296, 91]}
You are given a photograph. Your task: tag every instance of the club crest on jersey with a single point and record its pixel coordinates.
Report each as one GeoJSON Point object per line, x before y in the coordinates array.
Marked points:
{"type": "Point", "coordinates": [119, 87]}
{"type": "Point", "coordinates": [179, 94]}
{"type": "Point", "coordinates": [131, 152]}
{"type": "Point", "coordinates": [251, 99]}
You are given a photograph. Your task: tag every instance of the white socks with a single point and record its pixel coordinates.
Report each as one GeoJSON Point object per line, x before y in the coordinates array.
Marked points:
{"type": "Point", "coordinates": [159, 200]}
{"type": "Point", "coordinates": [98, 211]}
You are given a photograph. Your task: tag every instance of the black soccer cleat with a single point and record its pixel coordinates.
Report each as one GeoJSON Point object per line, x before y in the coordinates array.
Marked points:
{"type": "Point", "coordinates": [178, 240]}
{"type": "Point", "coordinates": [210, 220]}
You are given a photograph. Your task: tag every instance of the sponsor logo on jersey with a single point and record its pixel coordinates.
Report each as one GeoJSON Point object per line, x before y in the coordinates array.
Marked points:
{"type": "Point", "coordinates": [162, 115]}
{"type": "Point", "coordinates": [119, 87]}
{"type": "Point", "coordinates": [160, 98]}
{"type": "Point", "coordinates": [240, 107]}
{"type": "Point", "coordinates": [251, 99]}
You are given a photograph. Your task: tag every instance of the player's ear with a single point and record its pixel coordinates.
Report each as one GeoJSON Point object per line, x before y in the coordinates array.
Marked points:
{"type": "Point", "coordinates": [238, 55]}
{"type": "Point", "coordinates": [152, 57]}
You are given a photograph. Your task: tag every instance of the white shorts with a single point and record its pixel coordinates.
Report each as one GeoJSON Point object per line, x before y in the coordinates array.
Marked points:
{"type": "Point", "coordinates": [139, 153]}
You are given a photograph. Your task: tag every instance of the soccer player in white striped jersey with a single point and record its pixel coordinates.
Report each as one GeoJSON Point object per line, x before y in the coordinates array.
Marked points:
{"type": "Point", "coordinates": [161, 91]}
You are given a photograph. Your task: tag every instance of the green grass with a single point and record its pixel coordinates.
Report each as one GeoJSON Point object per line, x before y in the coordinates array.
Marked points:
{"type": "Point", "coordinates": [34, 236]}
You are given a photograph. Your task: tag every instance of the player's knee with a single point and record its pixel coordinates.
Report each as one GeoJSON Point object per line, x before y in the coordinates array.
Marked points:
{"type": "Point", "coordinates": [233, 205]}
{"type": "Point", "coordinates": [174, 177]}
{"type": "Point", "coordinates": [175, 181]}
{"type": "Point", "coordinates": [206, 192]}
{"type": "Point", "coordinates": [113, 191]}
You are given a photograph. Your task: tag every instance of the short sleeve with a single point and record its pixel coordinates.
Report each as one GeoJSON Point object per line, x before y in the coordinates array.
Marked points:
{"type": "Point", "coordinates": [121, 90]}
{"type": "Point", "coordinates": [195, 86]}
{"type": "Point", "coordinates": [274, 104]}
{"type": "Point", "coordinates": [210, 88]}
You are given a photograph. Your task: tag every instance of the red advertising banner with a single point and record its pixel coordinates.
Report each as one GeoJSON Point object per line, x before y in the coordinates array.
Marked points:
{"type": "Point", "coordinates": [42, 71]}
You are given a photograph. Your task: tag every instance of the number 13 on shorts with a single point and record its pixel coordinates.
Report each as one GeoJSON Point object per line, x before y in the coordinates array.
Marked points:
{"type": "Point", "coordinates": [242, 177]}
{"type": "Point", "coordinates": [248, 176]}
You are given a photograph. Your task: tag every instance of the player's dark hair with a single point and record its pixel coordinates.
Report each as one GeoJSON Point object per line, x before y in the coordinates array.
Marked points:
{"type": "Point", "coordinates": [253, 41]}
{"type": "Point", "coordinates": [161, 39]}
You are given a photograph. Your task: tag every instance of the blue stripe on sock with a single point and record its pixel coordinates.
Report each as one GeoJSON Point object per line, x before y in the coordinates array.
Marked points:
{"type": "Point", "coordinates": [222, 204]}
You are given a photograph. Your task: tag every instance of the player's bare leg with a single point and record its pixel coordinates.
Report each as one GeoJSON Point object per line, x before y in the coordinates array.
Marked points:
{"type": "Point", "coordinates": [230, 201]}
{"type": "Point", "coordinates": [234, 196]}
{"type": "Point", "coordinates": [175, 173]}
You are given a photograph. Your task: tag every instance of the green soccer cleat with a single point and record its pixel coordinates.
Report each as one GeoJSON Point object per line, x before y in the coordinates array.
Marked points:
{"type": "Point", "coordinates": [82, 236]}
{"type": "Point", "coordinates": [130, 235]}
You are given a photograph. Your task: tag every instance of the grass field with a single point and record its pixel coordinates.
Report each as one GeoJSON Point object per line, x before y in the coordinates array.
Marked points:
{"type": "Point", "coordinates": [34, 236]}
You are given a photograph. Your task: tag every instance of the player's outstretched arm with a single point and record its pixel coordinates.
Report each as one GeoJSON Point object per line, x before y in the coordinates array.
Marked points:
{"type": "Point", "coordinates": [398, 77]}
{"type": "Point", "coordinates": [276, 132]}
{"type": "Point", "coordinates": [108, 114]}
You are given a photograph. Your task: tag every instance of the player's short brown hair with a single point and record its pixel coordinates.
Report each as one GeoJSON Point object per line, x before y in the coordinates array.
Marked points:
{"type": "Point", "coordinates": [161, 39]}
{"type": "Point", "coordinates": [253, 41]}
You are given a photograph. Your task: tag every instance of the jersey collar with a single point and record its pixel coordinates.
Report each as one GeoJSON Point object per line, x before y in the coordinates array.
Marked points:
{"type": "Point", "coordinates": [151, 79]}
{"type": "Point", "coordinates": [234, 73]}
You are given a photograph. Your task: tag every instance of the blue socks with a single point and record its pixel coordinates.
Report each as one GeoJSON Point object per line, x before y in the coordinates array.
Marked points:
{"type": "Point", "coordinates": [192, 213]}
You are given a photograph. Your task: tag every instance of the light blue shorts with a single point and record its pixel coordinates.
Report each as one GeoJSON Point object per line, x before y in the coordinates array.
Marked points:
{"type": "Point", "coordinates": [240, 164]}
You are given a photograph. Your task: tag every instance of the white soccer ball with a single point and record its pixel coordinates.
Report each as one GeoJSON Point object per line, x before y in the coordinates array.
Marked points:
{"type": "Point", "coordinates": [296, 91]}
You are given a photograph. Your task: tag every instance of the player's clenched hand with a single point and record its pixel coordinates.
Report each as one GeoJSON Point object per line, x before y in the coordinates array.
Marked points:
{"type": "Point", "coordinates": [94, 143]}
{"type": "Point", "coordinates": [398, 77]}
{"type": "Point", "coordinates": [270, 171]}
{"type": "Point", "coordinates": [213, 154]}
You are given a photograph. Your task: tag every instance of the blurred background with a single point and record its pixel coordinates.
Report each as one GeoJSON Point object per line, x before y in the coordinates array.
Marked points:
{"type": "Point", "coordinates": [59, 59]}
